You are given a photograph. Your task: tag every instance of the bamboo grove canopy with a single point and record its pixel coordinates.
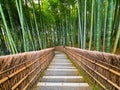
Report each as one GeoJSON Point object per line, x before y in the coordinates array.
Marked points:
{"type": "Point", "coordinates": [29, 25]}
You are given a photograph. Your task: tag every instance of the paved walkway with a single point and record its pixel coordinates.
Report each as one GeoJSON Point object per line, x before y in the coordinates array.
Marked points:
{"type": "Point", "coordinates": [62, 75]}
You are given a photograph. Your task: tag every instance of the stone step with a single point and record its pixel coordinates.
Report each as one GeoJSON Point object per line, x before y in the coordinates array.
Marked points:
{"type": "Point", "coordinates": [61, 67]}
{"type": "Point", "coordinates": [60, 61]}
{"type": "Point", "coordinates": [61, 73]}
{"type": "Point", "coordinates": [60, 55]}
{"type": "Point", "coordinates": [60, 58]}
{"type": "Point", "coordinates": [67, 79]}
{"type": "Point", "coordinates": [61, 64]}
{"type": "Point", "coordinates": [62, 86]}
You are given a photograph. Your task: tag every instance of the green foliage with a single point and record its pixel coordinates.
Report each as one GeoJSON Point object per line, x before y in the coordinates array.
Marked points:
{"type": "Point", "coordinates": [26, 25]}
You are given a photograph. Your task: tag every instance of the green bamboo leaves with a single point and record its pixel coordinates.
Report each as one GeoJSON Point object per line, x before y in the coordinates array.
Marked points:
{"type": "Point", "coordinates": [88, 24]}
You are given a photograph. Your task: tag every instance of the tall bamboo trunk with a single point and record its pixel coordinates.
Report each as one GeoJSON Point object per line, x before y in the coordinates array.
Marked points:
{"type": "Point", "coordinates": [9, 37]}
{"type": "Point", "coordinates": [91, 27]}
{"type": "Point", "coordinates": [109, 26]}
{"type": "Point", "coordinates": [117, 39]}
{"type": "Point", "coordinates": [80, 42]}
{"type": "Point", "coordinates": [105, 23]}
{"type": "Point", "coordinates": [36, 25]}
{"type": "Point", "coordinates": [84, 39]}
{"type": "Point", "coordinates": [98, 26]}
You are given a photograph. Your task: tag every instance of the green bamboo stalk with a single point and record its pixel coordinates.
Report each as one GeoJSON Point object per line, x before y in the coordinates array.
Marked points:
{"type": "Point", "coordinates": [84, 39]}
{"type": "Point", "coordinates": [69, 27]}
{"type": "Point", "coordinates": [29, 39]}
{"type": "Point", "coordinates": [28, 28]}
{"type": "Point", "coordinates": [63, 37]}
{"type": "Point", "coordinates": [12, 25]}
{"type": "Point", "coordinates": [23, 23]}
{"type": "Point", "coordinates": [45, 38]}
{"type": "Point", "coordinates": [63, 32]}
{"type": "Point", "coordinates": [20, 13]}
{"type": "Point", "coordinates": [7, 44]}
{"type": "Point", "coordinates": [115, 17]}
{"type": "Point", "coordinates": [33, 35]}
{"type": "Point", "coordinates": [74, 24]}
{"type": "Point", "coordinates": [109, 27]}
{"type": "Point", "coordinates": [80, 44]}
{"type": "Point", "coordinates": [36, 25]}
{"type": "Point", "coordinates": [27, 47]}
{"type": "Point", "coordinates": [66, 31]}
{"type": "Point", "coordinates": [41, 23]}
{"type": "Point", "coordinates": [116, 40]}
{"type": "Point", "coordinates": [7, 31]}
{"type": "Point", "coordinates": [98, 27]}
{"type": "Point", "coordinates": [95, 26]}
{"type": "Point", "coordinates": [91, 28]}
{"type": "Point", "coordinates": [105, 22]}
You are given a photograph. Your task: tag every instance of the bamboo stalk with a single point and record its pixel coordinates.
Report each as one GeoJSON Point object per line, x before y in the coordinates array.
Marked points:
{"type": "Point", "coordinates": [110, 15]}
{"type": "Point", "coordinates": [98, 26]}
{"type": "Point", "coordinates": [80, 42]}
{"type": "Point", "coordinates": [117, 39]}
{"type": "Point", "coordinates": [36, 25]}
{"type": "Point", "coordinates": [105, 22]}
{"type": "Point", "coordinates": [91, 27]}
{"type": "Point", "coordinates": [10, 39]}
{"type": "Point", "coordinates": [84, 39]}
{"type": "Point", "coordinates": [20, 13]}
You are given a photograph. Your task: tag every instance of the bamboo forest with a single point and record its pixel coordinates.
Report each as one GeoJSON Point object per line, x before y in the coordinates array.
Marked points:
{"type": "Point", "coordinates": [59, 44]}
{"type": "Point", "coordinates": [29, 25]}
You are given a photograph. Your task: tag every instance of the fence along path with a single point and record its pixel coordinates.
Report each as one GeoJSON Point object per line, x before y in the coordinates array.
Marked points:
{"type": "Point", "coordinates": [61, 75]}
{"type": "Point", "coordinates": [21, 71]}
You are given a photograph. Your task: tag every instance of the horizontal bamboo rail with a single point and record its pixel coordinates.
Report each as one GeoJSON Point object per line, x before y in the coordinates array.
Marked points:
{"type": "Point", "coordinates": [106, 74]}
{"type": "Point", "coordinates": [20, 71]}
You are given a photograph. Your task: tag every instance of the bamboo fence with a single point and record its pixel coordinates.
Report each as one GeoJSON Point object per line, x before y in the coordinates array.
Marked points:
{"type": "Point", "coordinates": [103, 68]}
{"type": "Point", "coordinates": [20, 71]}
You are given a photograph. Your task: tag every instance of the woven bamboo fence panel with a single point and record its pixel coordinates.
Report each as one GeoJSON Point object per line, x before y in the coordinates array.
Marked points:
{"type": "Point", "coordinates": [20, 71]}
{"type": "Point", "coordinates": [59, 48]}
{"type": "Point", "coordinates": [103, 68]}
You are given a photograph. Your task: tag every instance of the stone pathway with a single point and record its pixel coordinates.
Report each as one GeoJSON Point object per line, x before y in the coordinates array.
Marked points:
{"type": "Point", "coordinates": [62, 75]}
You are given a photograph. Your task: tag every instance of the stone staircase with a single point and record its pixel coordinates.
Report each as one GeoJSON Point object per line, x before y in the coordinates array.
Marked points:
{"type": "Point", "coordinates": [61, 75]}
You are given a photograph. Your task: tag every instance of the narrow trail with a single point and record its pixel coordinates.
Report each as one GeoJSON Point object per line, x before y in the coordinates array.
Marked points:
{"type": "Point", "coordinates": [62, 75]}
